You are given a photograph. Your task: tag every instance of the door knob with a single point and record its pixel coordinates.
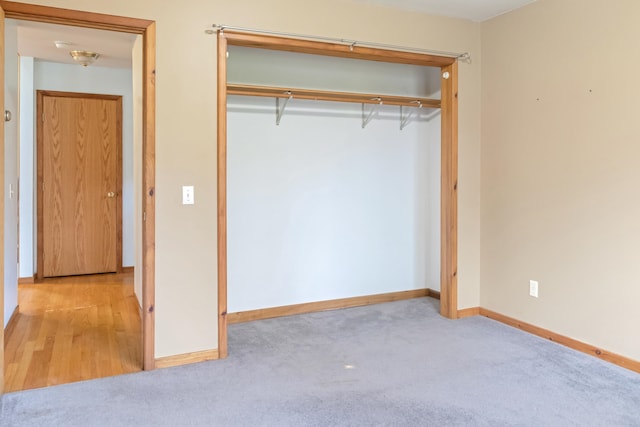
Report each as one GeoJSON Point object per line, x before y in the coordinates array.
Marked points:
{"type": "Point", "coordinates": [111, 194]}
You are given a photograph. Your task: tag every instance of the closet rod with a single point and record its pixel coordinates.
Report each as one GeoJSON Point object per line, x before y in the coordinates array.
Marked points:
{"type": "Point", "coordinates": [463, 57]}
{"type": "Point", "coordinates": [320, 95]}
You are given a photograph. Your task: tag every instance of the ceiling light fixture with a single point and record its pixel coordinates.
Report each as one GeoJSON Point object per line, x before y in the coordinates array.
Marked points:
{"type": "Point", "coordinates": [84, 57]}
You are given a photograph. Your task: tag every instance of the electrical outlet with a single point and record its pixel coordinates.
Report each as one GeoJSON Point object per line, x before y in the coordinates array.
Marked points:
{"type": "Point", "coordinates": [533, 288]}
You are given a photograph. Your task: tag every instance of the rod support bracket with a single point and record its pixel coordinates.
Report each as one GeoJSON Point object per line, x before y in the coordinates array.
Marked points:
{"type": "Point", "coordinates": [280, 108]}
{"type": "Point", "coordinates": [405, 120]}
{"type": "Point", "coordinates": [367, 116]}
{"type": "Point", "coordinates": [465, 57]}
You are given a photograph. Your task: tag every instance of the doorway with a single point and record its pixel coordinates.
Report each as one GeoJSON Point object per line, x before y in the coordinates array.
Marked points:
{"type": "Point", "coordinates": [146, 29]}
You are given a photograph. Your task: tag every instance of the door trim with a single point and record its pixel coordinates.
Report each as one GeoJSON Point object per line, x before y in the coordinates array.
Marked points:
{"type": "Point", "coordinates": [2, 186]}
{"type": "Point", "coordinates": [41, 94]}
{"type": "Point", "coordinates": [147, 29]}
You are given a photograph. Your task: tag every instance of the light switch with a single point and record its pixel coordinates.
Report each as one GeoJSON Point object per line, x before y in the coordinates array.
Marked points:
{"type": "Point", "coordinates": [187, 195]}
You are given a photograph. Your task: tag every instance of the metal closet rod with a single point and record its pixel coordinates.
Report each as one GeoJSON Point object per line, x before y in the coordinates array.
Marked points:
{"type": "Point", "coordinates": [464, 57]}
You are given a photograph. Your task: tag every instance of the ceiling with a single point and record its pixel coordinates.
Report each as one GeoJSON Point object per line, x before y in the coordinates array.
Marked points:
{"type": "Point", "coordinates": [37, 39]}
{"type": "Point", "coordinates": [474, 10]}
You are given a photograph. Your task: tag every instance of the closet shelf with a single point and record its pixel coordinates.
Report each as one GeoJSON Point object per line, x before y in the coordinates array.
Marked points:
{"type": "Point", "coordinates": [322, 95]}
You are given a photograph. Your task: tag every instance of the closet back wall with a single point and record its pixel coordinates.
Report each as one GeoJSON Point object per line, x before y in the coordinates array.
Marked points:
{"type": "Point", "coordinates": [320, 208]}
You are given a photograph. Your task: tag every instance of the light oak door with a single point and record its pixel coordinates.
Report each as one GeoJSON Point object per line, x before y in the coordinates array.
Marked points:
{"type": "Point", "coordinates": [79, 183]}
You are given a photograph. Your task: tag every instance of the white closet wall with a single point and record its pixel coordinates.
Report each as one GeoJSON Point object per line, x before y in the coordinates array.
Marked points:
{"type": "Point", "coordinates": [275, 68]}
{"type": "Point", "coordinates": [319, 208]}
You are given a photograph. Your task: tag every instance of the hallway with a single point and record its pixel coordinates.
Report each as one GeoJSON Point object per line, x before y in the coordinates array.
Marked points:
{"type": "Point", "coordinates": [72, 329]}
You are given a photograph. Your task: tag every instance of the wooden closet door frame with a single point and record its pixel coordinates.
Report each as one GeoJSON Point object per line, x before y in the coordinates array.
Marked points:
{"type": "Point", "coordinates": [41, 94]}
{"type": "Point", "coordinates": [448, 157]}
{"type": "Point", "coordinates": [147, 30]}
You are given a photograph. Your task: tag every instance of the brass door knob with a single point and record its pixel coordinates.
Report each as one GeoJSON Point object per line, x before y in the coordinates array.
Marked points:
{"type": "Point", "coordinates": [111, 194]}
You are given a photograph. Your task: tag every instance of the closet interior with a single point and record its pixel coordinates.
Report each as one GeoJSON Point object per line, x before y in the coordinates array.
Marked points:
{"type": "Point", "coordinates": [331, 167]}
{"type": "Point", "coordinates": [333, 178]}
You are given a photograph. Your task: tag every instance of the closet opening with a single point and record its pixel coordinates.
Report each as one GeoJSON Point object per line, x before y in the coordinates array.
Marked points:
{"type": "Point", "coordinates": [337, 177]}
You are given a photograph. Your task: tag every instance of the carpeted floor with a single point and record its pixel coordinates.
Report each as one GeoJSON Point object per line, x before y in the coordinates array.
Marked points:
{"type": "Point", "coordinates": [390, 364]}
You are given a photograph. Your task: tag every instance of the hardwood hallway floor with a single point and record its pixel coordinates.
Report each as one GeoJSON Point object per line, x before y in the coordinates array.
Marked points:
{"type": "Point", "coordinates": [72, 329]}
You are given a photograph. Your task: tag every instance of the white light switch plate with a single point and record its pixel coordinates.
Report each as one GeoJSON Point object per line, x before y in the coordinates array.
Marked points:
{"type": "Point", "coordinates": [533, 288]}
{"type": "Point", "coordinates": [187, 195]}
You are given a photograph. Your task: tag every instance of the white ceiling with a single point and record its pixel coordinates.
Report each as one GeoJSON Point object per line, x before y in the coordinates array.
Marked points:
{"type": "Point", "coordinates": [37, 39]}
{"type": "Point", "coordinates": [474, 10]}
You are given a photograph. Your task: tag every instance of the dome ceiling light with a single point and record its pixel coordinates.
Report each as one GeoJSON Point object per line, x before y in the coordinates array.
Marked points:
{"type": "Point", "coordinates": [84, 57]}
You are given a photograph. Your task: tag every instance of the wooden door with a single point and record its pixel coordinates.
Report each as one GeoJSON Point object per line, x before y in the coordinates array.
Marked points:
{"type": "Point", "coordinates": [79, 183]}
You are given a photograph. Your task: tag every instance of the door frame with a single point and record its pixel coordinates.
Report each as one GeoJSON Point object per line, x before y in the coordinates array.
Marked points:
{"type": "Point", "coordinates": [41, 94]}
{"type": "Point", "coordinates": [147, 30]}
{"type": "Point", "coordinates": [448, 156]}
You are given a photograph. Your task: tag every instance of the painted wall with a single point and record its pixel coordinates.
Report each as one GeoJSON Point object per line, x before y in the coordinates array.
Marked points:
{"type": "Point", "coordinates": [320, 208]}
{"type": "Point", "coordinates": [27, 234]}
{"type": "Point", "coordinates": [73, 78]}
{"type": "Point", "coordinates": [560, 172]}
{"type": "Point", "coordinates": [296, 70]}
{"type": "Point", "coordinates": [136, 74]}
{"type": "Point", "coordinates": [10, 171]}
{"type": "Point", "coordinates": [186, 291]}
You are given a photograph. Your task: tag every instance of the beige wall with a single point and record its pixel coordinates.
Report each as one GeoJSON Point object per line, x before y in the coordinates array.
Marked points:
{"type": "Point", "coordinates": [186, 109]}
{"type": "Point", "coordinates": [138, 107]}
{"type": "Point", "coordinates": [560, 169]}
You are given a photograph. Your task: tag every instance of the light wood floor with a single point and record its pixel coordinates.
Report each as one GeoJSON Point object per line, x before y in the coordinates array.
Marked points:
{"type": "Point", "coordinates": [72, 329]}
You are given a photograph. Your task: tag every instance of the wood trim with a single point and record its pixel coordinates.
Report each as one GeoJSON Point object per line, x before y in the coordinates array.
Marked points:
{"type": "Point", "coordinates": [76, 18]}
{"type": "Point", "coordinates": [61, 94]}
{"type": "Point", "coordinates": [27, 280]}
{"type": "Point", "coordinates": [147, 29]}
{"type": "Point", "coordinates": [468, 312]}
{"type": "Point", "coordinates": [222, 195]}
{"type": "Point", "coordinates": [433, 294]}
{"type": "Point", "coordinates": [39, 196]}
{"type": "Point", "coordinates": [119, 169]}
{"type": "Point", "coordinates": [11, 324]}
{"type": "Point", "coordinates": [149, 199]}
{"type": "Point", "coordinates": [324, 95]}
{"type": "Point", "coordinates": [128, 270]}
{"type": "Point", "coordinates": [2, 52]}
{"type": "Point", "coordinates": [589, 349]}
{"type": "Point", "coordinates": [41, 94]}
{"type": "Point", "coordinates": [187, 358]}
{"type": "Point", "coordinates": [238, 38]}
{"type": "Point", "coordinates": [449, 194]}
{"type": "Point", "coordinates": [312, 307]}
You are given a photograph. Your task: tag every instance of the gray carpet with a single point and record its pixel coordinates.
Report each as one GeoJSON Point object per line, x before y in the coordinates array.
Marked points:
{"type": "Point", "coordinates": [389, 364]}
